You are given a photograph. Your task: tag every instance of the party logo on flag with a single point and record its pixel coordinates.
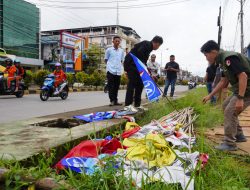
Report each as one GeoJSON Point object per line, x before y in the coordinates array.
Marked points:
{"type": "Point", "coordinates": [152, 90]}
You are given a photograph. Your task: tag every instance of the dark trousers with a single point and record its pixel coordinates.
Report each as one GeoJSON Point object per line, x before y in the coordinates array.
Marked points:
{"type": "Point", "coordinates": [113, 86]}
{"type": "Point", "coordinates": [209, 90]}
{"type": "Point", "coordinates": [134, 89]}
{"type": "Point", "coordinates": [170, 82]}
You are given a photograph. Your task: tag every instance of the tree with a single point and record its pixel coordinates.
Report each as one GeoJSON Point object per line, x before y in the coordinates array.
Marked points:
{"type": "Point", "coordinates": [95, 54]}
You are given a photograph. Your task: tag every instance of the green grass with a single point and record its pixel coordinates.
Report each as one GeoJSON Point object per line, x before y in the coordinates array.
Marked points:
{"type": "Point", "coordinates": [223, 171]}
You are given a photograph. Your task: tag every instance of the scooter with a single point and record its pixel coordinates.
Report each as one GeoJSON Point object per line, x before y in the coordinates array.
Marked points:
{"type": "Point", "coordinates": [191, 85]}
{"type": "Point", "coordinates": [48, 89]}
{"type": "Point", "coordinates": [4, 87]}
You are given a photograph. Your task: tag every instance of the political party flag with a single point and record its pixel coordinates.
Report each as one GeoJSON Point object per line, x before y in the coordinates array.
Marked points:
{"type": "Point", "coordinates": [152, 89]}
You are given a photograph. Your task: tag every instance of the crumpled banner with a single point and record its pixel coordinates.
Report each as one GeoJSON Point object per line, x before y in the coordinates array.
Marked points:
{"type": "Point", "coordinates": [91, 149]}
{"type": "Point", "coordinates": [178, 172]}
{"type": "Point", "coordinates": [153, 150]}
{"type": "Point", "coordinates": [84, 165]}
{"type": "Point", "coordinates": [131, 125]}
{"type": "Point", "coordinates": [98, 116]}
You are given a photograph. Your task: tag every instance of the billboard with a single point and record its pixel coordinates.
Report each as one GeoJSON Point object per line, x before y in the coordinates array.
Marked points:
{"type": "Point", "coordinates": [76, 43]}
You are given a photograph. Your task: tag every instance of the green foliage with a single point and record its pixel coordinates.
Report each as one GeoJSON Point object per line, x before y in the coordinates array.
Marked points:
{"type": "Point", "coordinates": [184, 82]}
{"type": "Point", "coordinates": [161, 81]}
{"type": "Point", "coordinates": [70, 78]}
{"type": "Point", "coordinates": [28, 78]}
{"type": "Point", "coordinates": [39, 77]}
{"type": "Point", "coordinates": [91, 69]}
{"type": "Point", "coordinates": [98, 78]}
{"type": "Point", "coordinates": [124, 79]}
{"type": "Point", "coordinates": [80, 77]}
{"type": "Point", "coordinates": [95, 54]}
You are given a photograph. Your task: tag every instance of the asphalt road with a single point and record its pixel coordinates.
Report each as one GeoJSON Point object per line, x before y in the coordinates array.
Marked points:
{"type": "Point", "coordinates": [14, 109]}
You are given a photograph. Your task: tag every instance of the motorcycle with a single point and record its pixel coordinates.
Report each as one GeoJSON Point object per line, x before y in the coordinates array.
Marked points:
{"type": "Point", "coordinates": [191, 85]}
{"type": "Point", "coordinates": [4, 87]}
{"type": "Point", "coordinates": [48, 89]}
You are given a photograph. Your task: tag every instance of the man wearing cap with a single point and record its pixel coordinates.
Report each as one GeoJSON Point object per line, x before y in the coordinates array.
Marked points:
{"type": "Point", "coordinates": [236, 71]}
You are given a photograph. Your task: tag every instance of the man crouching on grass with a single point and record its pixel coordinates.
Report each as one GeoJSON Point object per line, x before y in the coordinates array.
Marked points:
{"type": "Point", "coordinates": [236, 71]}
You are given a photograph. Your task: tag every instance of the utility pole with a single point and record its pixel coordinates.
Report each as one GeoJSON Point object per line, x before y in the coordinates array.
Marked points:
{"type": "Point", "coordinates": [241, 26]}
{"type": "Point", "coordinates": [220, 27]}
{"type": "Point", "coordinates": [117, 14]}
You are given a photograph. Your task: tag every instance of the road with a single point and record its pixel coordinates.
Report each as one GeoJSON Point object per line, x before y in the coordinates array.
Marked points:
{"type": "Point", "coordinates": [14, 109]}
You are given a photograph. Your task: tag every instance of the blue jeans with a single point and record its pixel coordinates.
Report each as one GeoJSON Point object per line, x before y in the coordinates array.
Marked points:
{"type": "Point", "coordinates": [167, 84]}
{"type": "Point", "coordinates": [210, 89]}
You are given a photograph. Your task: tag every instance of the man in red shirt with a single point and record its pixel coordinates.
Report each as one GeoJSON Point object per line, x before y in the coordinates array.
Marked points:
{"type": "Point", "coordinates": [11, 71]}
{"type": "Point", "coordinates": [60, 77]}
{"type": "Point", "coordinates": [19, 72]}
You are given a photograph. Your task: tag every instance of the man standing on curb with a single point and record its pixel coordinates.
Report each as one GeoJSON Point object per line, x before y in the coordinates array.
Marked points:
{"type": "Point", "coordinates": [172, 69]}
{"type": "Point", "coordinates": [236, 71]}
{"type": "Point", "coordinates": [135, 86]}
{"type": "Point", "coordinates": [114, 57]}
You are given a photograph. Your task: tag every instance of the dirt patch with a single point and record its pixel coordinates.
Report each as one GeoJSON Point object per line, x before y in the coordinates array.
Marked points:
{"type": "Point", "coordinates": [216, 135]}
{"type": "Point", "coordinates": [60, 123]}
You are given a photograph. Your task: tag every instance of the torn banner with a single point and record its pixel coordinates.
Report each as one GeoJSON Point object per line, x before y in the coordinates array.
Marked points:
{"type": "Point", "coordinates": [153, 92]}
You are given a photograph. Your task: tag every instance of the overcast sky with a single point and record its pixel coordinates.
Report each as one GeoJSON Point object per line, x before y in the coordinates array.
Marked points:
{"type": "Point", "coordinates": [184, 26]}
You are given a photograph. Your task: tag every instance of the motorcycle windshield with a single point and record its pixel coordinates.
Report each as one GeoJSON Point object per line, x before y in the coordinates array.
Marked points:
{"type": "Point", "coordinates": [48, 82]}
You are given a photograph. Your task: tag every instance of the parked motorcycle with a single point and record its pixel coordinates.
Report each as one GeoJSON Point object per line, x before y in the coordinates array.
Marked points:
{"type": "Point", "coordinates": [48, 89]}
{"type": "Point", "coordinates": [4, 87]}
{"type": "Point", "coordinates": [191, 85]}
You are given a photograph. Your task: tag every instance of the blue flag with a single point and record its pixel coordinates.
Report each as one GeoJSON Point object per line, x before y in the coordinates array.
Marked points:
{"type": "Point", "coordinates": [152, 89]}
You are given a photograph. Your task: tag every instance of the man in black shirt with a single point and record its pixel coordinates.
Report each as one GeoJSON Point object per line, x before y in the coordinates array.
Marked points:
{"type": "Point", "coordinates": [209, 79]}
{"type": "Point", "coordinates": [172, 69]}
{"type": "Point", "coordinates": [142, 51]}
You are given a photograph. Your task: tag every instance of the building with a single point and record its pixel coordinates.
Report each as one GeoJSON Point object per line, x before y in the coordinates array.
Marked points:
{"type": "Point", "coordinates": [20, 31]}
{"type": "Point", "coordinates": [53, 47]}
{"type": "Point", "coordinates": [184, 75]}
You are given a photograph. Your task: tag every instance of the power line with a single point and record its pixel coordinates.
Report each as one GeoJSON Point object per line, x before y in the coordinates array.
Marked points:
{"type": "Point", "coordinates": [90, 2]}
{"type": "Point", "coordinates": [73, 19]}
{"type": "Point", "coordinates": [155, 4]}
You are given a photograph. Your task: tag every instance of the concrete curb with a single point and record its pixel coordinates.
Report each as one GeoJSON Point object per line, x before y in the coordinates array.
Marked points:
{"type": "Point", "coordinates": [33, 91]}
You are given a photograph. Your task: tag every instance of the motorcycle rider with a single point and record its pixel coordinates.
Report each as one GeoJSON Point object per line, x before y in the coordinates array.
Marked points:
{"type": "Point", "coordinates": [19, 72]}
{"type": "Point", "coordinates": [60, 77]}
{"type": "Point", "coordinates": [11, 71]}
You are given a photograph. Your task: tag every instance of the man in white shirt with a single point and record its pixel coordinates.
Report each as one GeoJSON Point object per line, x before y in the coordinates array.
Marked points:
{"type": "Point", "coordinates": [153, 67]}
{"type": "Point", "coordinates": [114, 57]}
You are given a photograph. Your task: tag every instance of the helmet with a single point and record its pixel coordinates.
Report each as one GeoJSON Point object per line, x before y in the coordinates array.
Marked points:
{"type": "Point", "coordinates": [17, 62]}
{"type": "Point", "coordinates": [8, 61]}
{"type": "Point", "coordinates": [58, 65]}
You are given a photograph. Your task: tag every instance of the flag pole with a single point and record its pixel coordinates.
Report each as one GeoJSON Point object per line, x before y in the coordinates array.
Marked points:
{"type": "Point", "coordinates": [169, 101]}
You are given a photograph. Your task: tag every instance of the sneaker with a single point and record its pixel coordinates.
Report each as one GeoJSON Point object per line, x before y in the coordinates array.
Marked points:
{"type": "Point", "coordinates": [127, 110]}
{"type": "Point", "coordinates": [118, 104]}
{"type": "Point", "coordinates": [226, 147]}
{"type": "Point", "coordinates": [112, 104]}
{"type": "Point", "coordinates": [141, 108]}
{"type": "Point", "coordinates": [241, 138]}
{"type": "Point", "coordinates": [56, 91]}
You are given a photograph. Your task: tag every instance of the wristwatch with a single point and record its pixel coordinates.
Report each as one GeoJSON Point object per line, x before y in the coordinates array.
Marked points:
{"type": "Point", "coordinates": [240, 97]}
